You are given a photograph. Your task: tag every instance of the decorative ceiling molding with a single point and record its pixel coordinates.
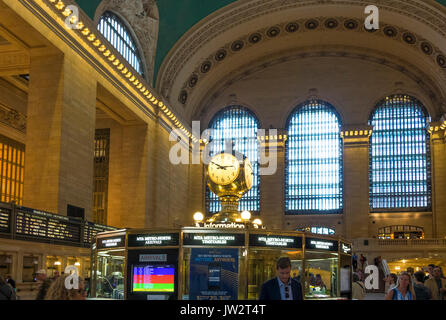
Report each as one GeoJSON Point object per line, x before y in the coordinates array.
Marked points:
{"type": "Point", "coordinates": [424, 81]}
{"type": "Point", "coordinates": [429, 13]}
{"type": "Point", "coordinates": [412, 40]}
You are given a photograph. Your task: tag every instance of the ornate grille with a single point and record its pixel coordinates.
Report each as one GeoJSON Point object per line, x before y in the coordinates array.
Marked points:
{"type": "Point", "coordinates": [12, 164]}
{"type": "Point", "coordinates": [119, 36]}
{"type": "Point", "coordinates": [400, 166]}
{"type": "Point", "coordinates": [313, 160]}
{"type": "Point", "coordinates": [101, 166]}
{"type": "Point", "coordinates": [239, 125]}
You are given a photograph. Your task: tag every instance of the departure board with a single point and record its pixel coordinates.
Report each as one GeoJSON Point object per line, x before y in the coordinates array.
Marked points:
{"type": "Point", "coordinates": [47, 226]}
{"type": "Point", "coordinates": [92, 229]}
{"type": "Point", "coordinates": [5, 215]}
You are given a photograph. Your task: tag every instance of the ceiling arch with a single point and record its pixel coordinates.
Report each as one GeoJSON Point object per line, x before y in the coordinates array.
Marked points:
{"type": "Point", "coordinates": [412, 30]}
{"type": "Point", "coordinates": [177, 17]}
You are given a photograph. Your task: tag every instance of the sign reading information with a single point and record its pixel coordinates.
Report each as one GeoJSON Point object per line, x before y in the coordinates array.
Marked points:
{"type": "Point", "coordinates": [153, 240]}
{"type": "Point", "coordinates": [321, 244]}
{"type": "Point", "coordinates": [214, 239]}
{"type": "Point", "coordinates": [261, 240]}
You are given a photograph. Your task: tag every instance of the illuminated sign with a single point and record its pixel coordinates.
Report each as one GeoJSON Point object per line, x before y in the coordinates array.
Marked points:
{"type": "Point", "coordinates": [346, 248]}
{"type": "Point", "coordinates": [111, 242]}
{"type": "Point", "coordinates": [153, 240]}
{"type": "Point", "coordinates": [261, 240]}
{"type": "Point", "coordinates": [229, 225]}
{"type": "Point", "coordinates": [214, 239]}
{"type": "Point", "coordinates": [321, 244]}
{"type": "Point", "coordinates": [152, 257]}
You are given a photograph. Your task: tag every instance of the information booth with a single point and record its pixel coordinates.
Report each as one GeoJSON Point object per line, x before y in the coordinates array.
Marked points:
{"type": "Point", "coordinates": [215, 264]}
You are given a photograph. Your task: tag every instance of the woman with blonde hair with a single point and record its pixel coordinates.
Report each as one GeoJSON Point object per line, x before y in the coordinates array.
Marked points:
{"type": "Point", "coordinates": [403, 289]}
{"type": "Point", "coordinates": [58, 290]}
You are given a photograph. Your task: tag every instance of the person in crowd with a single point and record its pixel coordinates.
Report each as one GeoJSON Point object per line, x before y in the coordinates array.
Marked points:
{"type": "Point", "coordinates": [41, 275]}
{"type": "Point", "coordinates": [319, 282]}
{"type": "Point", "coordinates": [358, 288]}
{"type": "Point", "coordinates": [436, 285]}
{"type": "Point", "coordinates": [283, 287]}
{"type": "Point", "coordinates": [363, 261]}
{"type": "Point", "coordinates": [355, 262]}
{"type": "Point", "coordinates": [411, 271]}
{"type": "Point", "coordinates": [390, 282]}
{"type": "Point", "coordinates": [6, 291]}
{"type": "Point", "coordinates": [403, 289]}
{"type": "Point", "coordinates": [11, 281]}
{"type": "Point", "coordinates": [43, 289]}
{"type": "Point", "coordinates": [421, 291]}
{"type": "Point", "coordinates": [58, 290]}
{"type": "Point", "coordinates": [429, 269]}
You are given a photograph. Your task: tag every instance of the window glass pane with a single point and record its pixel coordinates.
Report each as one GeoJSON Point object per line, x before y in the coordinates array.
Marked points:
{"type": "Point", "coordinates": [313, 177]}
{"type": "Point", "coordinates": [239, 125]}
{"type": "Point", "coordinates": [400, 155]}
{"type": "Point", "coordinates": [115, 31]}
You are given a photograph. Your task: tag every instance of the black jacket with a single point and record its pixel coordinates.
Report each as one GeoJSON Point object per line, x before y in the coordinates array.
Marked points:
{"type": "Point", "coordinates": [7, 293]}
{"type": "Point", "coordinates": [271, 291]}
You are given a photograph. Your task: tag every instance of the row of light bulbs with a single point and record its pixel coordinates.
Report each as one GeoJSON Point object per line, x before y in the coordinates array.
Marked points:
{"type": "Point", "coordinates": [102, 48]}
{"type": "Point", "coordinates": [245, 217]}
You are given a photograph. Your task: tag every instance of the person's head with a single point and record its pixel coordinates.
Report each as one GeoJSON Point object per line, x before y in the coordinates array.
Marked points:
{"type": "Point", "coordinates": [41, 275]}
{"type": "Point", "coordinates": [430, 268]}
{"type": "Point", "coordinates": [393, 278]}
{"type": "Point", "coordinates": [436, 272]}
{"type": "Point", "coordinates": [419, 276]}
{"type": "Point", "coordinates": [410, 270]}
{"type": "Point", "coordinates": [283, 268]}
{"type": "Point", "coordinates": [404, 281]}
{"type": "Point", "coordinates": [58, 290]}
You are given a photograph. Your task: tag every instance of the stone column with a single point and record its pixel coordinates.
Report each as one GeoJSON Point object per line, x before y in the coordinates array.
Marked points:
{"type": "Point", "coordinates": [272, 206]}
{"type": "Point", "coordinates": [356, 181]}
{"type": "Point", "coordinates": [438, 156]}
{"type": "Point", "coordinates": [128, 176]}
{"type": "Point", "coordinates": [19, 267]}
{"type": "Point", "coordinates": [60, 134]}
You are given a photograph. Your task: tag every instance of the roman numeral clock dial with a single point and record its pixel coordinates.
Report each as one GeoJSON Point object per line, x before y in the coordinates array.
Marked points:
{"type": "Point", "coordinates": [223, 169]}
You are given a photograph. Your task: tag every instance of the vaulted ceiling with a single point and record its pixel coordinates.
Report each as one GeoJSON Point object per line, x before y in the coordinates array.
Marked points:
{"type": "Point", "coordinates": [177, 17]}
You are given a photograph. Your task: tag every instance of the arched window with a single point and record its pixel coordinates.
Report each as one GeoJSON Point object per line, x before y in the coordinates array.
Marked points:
{"type": "Point", "coordinates": [237, 124]}
{"type": "Point", "coordinates": [400, 155]}
{"type": "Point", "coordinates": [119, 36]}
{"type": "Point", "coordinates": [313, 160]}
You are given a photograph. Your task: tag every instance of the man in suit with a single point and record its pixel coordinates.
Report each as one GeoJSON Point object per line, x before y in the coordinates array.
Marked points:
{"type": "Point", "coordinates": [283, 287]}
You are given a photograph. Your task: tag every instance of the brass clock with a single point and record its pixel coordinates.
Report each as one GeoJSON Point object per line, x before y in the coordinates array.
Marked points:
{"type": "Point", "coordinates": [223, 169]}
{"type": "Point", "coordinates": [229, 177]}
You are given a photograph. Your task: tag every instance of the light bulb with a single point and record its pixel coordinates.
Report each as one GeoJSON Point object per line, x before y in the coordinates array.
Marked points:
{"type": "Point", "coordinates": [198, 216]}
{"type": "Point", "coordinates": [246, 215]}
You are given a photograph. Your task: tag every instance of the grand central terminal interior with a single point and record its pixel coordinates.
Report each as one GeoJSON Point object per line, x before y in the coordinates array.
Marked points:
{"type": "Point", "coordinates": [337, 110]}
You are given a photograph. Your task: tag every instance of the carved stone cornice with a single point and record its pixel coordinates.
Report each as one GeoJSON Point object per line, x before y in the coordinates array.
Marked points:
{"type": "Point", "coordinates": [12, 118]}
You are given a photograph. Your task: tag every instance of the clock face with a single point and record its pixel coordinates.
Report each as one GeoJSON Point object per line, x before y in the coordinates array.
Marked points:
{"type": "Point", "coordinates": [249, 175]}
{"type": "Point", "coordinates": [223, 169]}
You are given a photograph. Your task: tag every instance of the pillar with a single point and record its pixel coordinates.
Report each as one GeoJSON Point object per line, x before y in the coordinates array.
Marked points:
{"type": "Point", "coordinates": [60, 134]}
{"type": "Point", "coordinates": [438, 156]}
{"type": "Point", "coordinates": [272, 191]}
{"type": "Point", "coordinates": [356, 182]}
{"type": "Point", "coordinates": [128, 177]}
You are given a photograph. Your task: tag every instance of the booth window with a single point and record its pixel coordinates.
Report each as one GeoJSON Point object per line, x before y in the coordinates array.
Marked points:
{"type": "Point", "coordinates": [239, 125]}
{"type": "Point", "coordinates": [119, 36]}
{"type": "Point", "coordinates": [313, 160]}
{"type": "Point", "coordinates": [400, 166]}
{"type": "Point", "coordinates": [12, 165]}
{"type": "Point", "coordinates": [101, 168]}
{"type": "Point", "coordinates": [401, 232]}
